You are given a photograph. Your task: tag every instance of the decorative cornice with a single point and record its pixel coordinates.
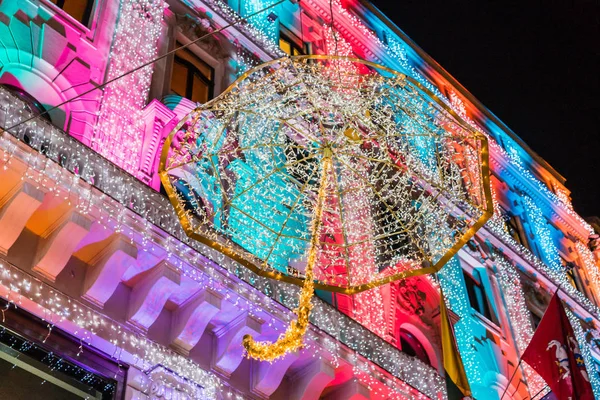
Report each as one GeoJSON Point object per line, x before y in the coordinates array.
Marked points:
{"type": "Point", "coordinates": [123, 203]}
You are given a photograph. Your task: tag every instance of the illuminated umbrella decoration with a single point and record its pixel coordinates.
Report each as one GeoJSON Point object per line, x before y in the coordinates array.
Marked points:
{"type": "Point", "coordinates": [327, 172]}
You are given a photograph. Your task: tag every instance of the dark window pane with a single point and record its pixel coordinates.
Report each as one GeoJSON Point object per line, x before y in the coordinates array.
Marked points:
{"type": "Point", "coordinates": [411, 346]}
{"type": "Point", "coordinates": [573, 275]}
{"type": "Point", "coordinates": [514, 227]}
{"type": "Point", "coordinates": [471, 291]}
{"type": "Point", "coordinates": [192, 77]}
{"type": "Point", "coordinates": [478, 296]}
{"type": "Point", "coordinates": [78, 9]}
{"type": "Point", "coordinates": [25, 385]}
{"type": "Point", "coordinates": [179, 80]}
{"type": "Point", "coordinates": [202, 67]}
{"type": "Point", "coordinates": [200, 90]}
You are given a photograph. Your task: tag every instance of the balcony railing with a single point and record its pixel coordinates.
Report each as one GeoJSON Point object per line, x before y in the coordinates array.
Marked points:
{"type": "Point", "coordinates": [153, 207]}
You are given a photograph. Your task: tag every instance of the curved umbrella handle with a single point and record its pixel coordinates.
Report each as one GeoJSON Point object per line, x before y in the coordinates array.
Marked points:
{"type": "Point", "coordinates": [291, 339]}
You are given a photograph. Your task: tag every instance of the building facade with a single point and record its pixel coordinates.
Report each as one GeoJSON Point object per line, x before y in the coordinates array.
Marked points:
{"type": "Point", "coordinates": [103, 295]}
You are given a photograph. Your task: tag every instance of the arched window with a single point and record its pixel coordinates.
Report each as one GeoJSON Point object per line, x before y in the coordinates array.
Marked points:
{"type": "Point", "coordinates": [410, 345]}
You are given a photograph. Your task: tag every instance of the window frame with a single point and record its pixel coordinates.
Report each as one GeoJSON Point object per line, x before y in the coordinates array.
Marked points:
{"type": "Point", "coordinates": [63, 344]}
{"type": "Point", "coordinates": [192, 71]}
{"type": "Point", "coordinates": [488, 297]}
{"type": "Point", "coordinates": [415, 345]}
{"type": "Point", "coordinates": [89, 12]}
{"type": "Point", "coordinates": [287, 37]}
{"type": "Point", "coordinates": [478, 298]}
{"type": "Point", "coordinates": [514, 222]}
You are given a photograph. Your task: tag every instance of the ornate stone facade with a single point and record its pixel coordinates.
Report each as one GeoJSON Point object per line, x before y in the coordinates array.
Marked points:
{"type": "Point", "coordinates": [90, 246]}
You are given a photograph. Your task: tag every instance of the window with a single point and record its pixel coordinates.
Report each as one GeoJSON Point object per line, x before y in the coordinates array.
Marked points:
{"type": "Point", "coordinates": [535, 319]}
{"type": "Point", "coordinates": [576, 279]}
{"type": "Point", "coordinates": [289, 46]}
{"type": "Point", "coordinates": [81, 10]}
{"type": "Point", "coordinates": [478, 297]}
{"type": "Point", "coordinates": [572, 274]}
{"type": "Point", "coordinates": [514, 227]}
{"type": "Point", "coordinates": [411, 346]}
{"type": "Point", "coordinates": [192, 77]}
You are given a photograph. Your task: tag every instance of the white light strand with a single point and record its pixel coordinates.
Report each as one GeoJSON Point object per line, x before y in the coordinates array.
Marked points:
{"type": "Point", "coordinates": [120, 127]}
{"type": "Point", "coordinates": [543, 234]}
{"type": "Point", "coordinates": [266, 43]}
{"type": "Point", "coordinates": [58, 308]}
{"type": "Point", "coordinates": [590, 266]}
{"type": "Point", "coordinates": [518, 314]}
{"type": "Point", "coordinates": [452, 284]}
{"type": "Point", "coordinates": [511, 156]}
{"type": "Point", "coordinates": [216, 271]}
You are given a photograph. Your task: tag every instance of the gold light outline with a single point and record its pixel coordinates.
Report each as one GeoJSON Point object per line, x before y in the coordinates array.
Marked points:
{"type": "Point", "coordinates": [235, 254]}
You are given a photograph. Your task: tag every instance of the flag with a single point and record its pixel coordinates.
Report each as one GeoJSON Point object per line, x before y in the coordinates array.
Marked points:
{"type": "Point", "coordinates": [456, 379]}
{"type": "Point", "coordinates": [555, 355]}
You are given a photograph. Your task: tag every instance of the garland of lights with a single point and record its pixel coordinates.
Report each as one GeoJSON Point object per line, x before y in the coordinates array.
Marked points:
{"type": "Point", "coordinates": [558, 277]}
{"type": "Point", "coordinates": [551, 258]}
{"type": "Point", "coordinates": [514, 298]}
{"type": "Point", "coordinates": [453, 287]}
{"type": "Point", "coordinates": [560, 199]}
{"type": "Point", "coordinates": [403, 185]}
{"type": "Point", "coordinates": [543, 234]}
{"type": "Point", "coordinates": [590, 361]}
{"type": "Point", "coordinates": [255, 32]}
{"type": "Point", "coordinates": [291, 340]}
{"type": "Point", "coordinates": [266, 23]}
{"type": "Point", "coordinates": [511, 155]}
{"type": "Point", "coordinates": [518, 313]}
{"type": "Point", "coordinates": [88, 167]}
{"type": "Point", "coordinates": [552, 267]}
{"type": "Point", "coordinates": [369, 307]}
{"type": "Point", "coordinates": [119, 130]}
{"type": "Point", "coordinates": [56, 308]}
{"type": "Point", "coordinates": [590, 266]}
{"type": "Point", "coordinates": [395, 47]}
{"type": "Point", "coordinates": [521, 325]}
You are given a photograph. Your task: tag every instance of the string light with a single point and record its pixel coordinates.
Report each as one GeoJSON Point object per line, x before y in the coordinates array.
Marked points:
{"type": "Point", "coordinates": [401, 196]}
{"type": "Point", "coordinates": [453, 286]}
{"type": "Point", "coordinates": [120, 128]}
{"type": "Point", "coordinates": [150, 210]}
{"type": "Point", "coordinates": [543, 234]}
{"type": "Point", "coordinates": [510, 155]}
{"type": "Point", "coordinates": [518, 314]}
{"type": "Point", "coordinates": [590, 266]}
{"type": "Point", "coordinates": [254, 28]}
{"type": "Point", "coordinates": [558, 199]}
{"type": "Point", "coordinates": [588, 358]}
{"type": "Point", "coordinates": [555, 272]}
{"type": "Point", "coordinates": [394, 47]}
{"type": "Point", "coordinates": [268, 27]}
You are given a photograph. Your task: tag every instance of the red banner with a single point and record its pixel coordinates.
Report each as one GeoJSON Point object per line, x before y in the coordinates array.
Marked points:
{"type": "Point", "coordinates": [555, 354]}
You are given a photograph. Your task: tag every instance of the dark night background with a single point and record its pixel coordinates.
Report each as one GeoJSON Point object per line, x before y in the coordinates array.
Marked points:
{"type": "Point", "coordinates": [534, 64]}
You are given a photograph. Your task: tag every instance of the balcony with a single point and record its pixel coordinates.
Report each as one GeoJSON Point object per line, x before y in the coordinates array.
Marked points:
{"type": "Point", "coordinates": [137, 270]}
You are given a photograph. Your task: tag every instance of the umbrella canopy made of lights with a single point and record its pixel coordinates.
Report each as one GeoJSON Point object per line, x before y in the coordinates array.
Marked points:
{"type": "Point", "coordinates": [327, 172]}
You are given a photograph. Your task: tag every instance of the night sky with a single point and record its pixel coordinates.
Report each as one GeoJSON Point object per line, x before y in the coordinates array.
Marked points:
{"type": "Point", "coordinates": [534, 64]}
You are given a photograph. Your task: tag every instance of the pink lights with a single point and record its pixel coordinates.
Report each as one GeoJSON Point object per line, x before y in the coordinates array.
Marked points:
{"type": "Point", "coordinates": [119, 133]}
